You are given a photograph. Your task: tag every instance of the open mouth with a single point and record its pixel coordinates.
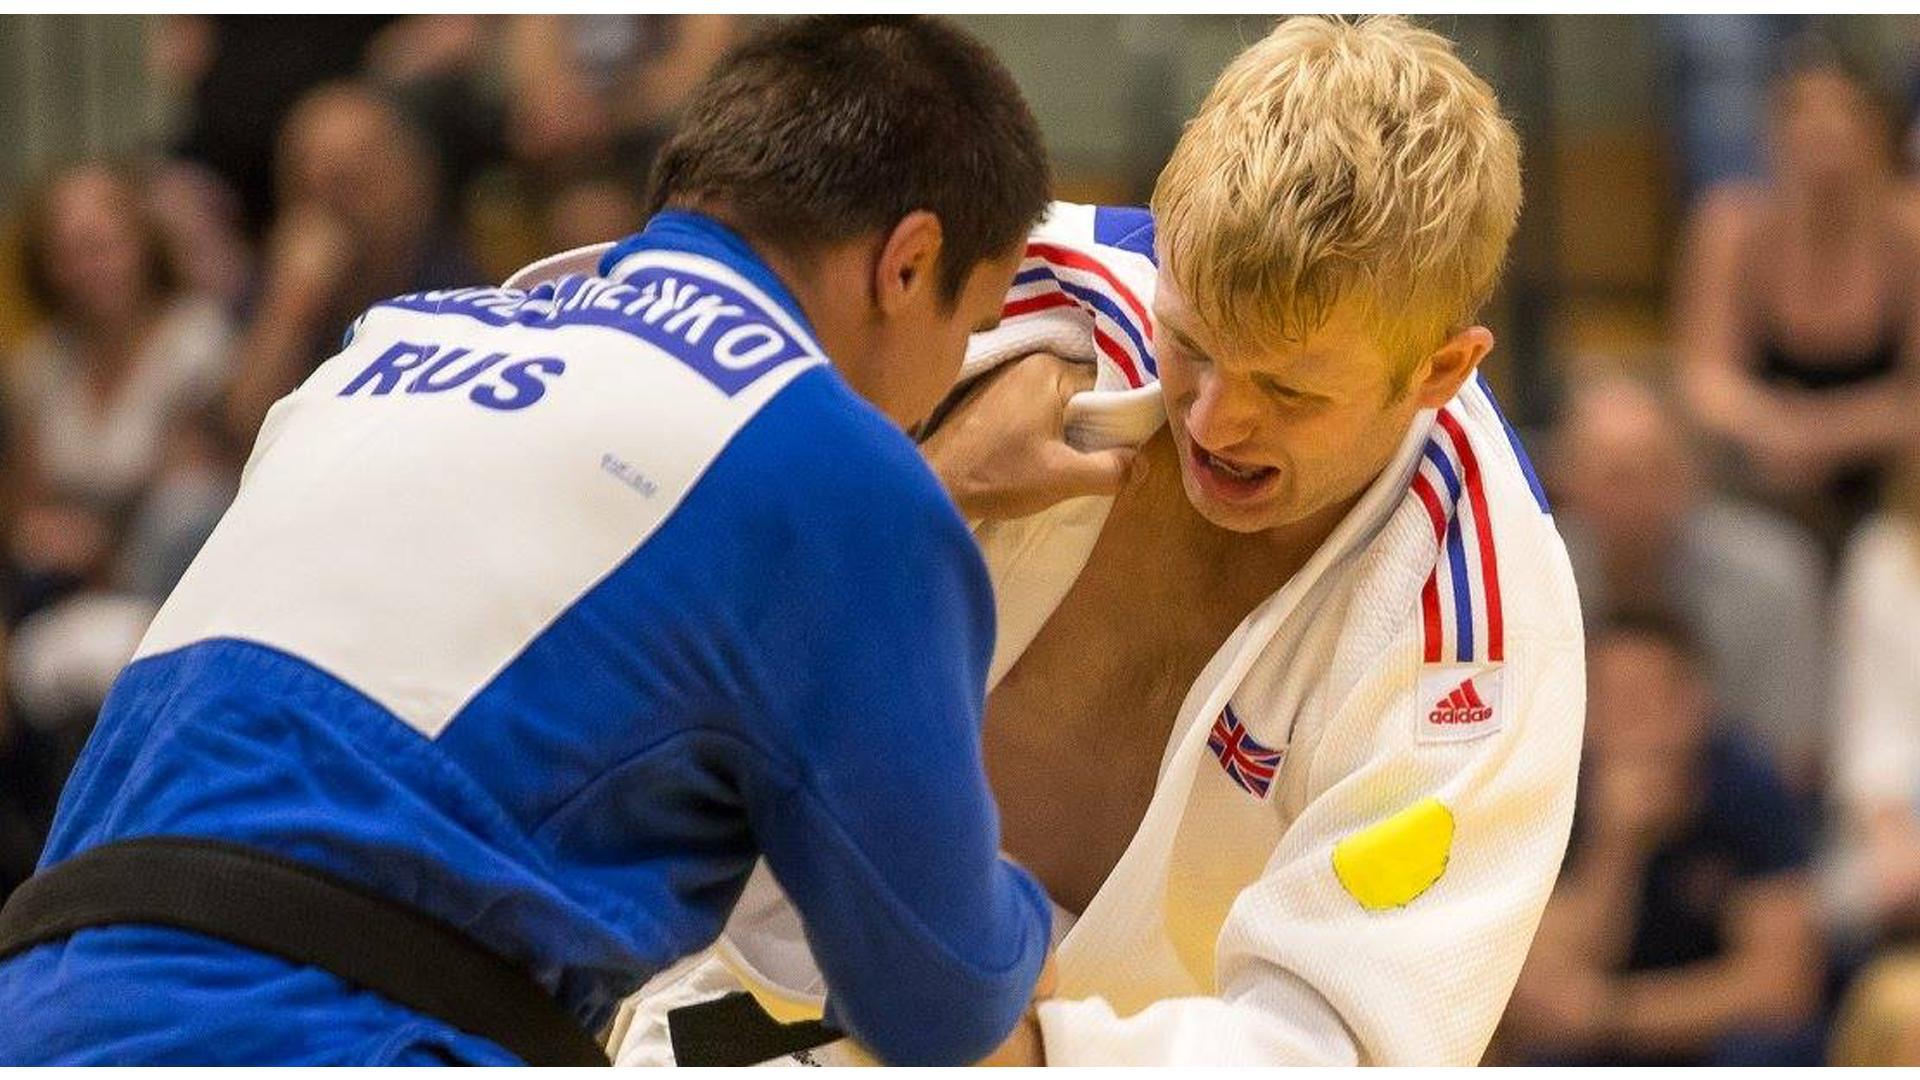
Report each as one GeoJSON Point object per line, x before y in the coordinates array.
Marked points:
{"type": "Point", "coordinates": [1228, 480]}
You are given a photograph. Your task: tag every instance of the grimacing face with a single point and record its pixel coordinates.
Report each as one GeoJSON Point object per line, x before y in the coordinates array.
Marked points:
{"type": "Point", "coordinates": [1271, 433]}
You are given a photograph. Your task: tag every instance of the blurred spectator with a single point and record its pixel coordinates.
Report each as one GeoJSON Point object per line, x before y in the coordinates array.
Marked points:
{"type": "Point", "coordinates": [587, 101]}
{"type": "Point", "coordinates": [1720, 60]}
{"type": "Point", "coordinates": [1645, 532]}
{"type": "Point", "coordinates": [1797, 302]}
{"type": "Point", "coordinates": [603, 90]}
{"type": "Point", "coordinates": [443, 70]}
{"type": "Point", "coordinates": [1681, 931]}
{"type": "Point", "coordinates": [420, 48]}
{"type": "Point", "coordinates": [1876, 878]}
{"type": "Point", "coordinates": [239, 77]}
{"type": "Point", "coordinates": [242, 75]}
{"type": "Point", "coordinates": [1878, 1024]}
{"type": "Point", "coordinates": [360, 220]}
{"type": "Point", "coordinates": [103, 400]}
{"type": "Point", "coordinates": [199, 218]}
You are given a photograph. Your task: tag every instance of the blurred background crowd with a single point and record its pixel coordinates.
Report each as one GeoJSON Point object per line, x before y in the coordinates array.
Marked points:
{"type": "Point", "coordinates": [1710, 335]}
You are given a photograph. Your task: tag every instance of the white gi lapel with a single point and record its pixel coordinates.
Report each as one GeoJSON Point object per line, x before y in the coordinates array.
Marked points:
{"type": "Point", "coordinates": [1134, 944]}
{"type": "Point", "coordinates": [580, 260]}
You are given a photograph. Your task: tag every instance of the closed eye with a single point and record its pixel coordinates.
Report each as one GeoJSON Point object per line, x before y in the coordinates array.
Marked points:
{"type": "Point", "coordinates": [1184, 345]}
{"type": "Point", "coordinates": [1281, 391]}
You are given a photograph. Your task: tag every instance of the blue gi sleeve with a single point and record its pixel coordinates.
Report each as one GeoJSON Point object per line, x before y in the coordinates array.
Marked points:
{"type": "Point", "coordinates": [882, 828]}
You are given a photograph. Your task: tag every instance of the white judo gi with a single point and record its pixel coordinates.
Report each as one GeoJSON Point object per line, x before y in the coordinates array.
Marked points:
{"type": "Point", "coordinates": [1366, 796]}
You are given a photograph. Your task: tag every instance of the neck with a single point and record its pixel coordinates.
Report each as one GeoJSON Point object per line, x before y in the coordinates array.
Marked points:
{"type": "Point", "coordinates": [1238, 569]}
{"type": "Point", "coordinates": [833, 288]}
{"type": "Point", "coordinates": [830, 285]}
{"type": "Point", "coordinates": [837, 323]}
{"type": "Point", "coordinates": [1263, 561]}
{"type": "Point", "coordinates": [1294, 543]}
{"type": "Point", "coordinates": [834, 316]}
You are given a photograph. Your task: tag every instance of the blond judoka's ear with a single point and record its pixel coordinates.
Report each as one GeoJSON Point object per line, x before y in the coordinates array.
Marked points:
{"type": "Point", "coordinates": [1439, 377]}
{"type": "Point", "coordinates": [909, 262]}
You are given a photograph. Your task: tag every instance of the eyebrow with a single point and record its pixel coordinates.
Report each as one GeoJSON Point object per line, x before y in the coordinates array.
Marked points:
{"type": "Point", "coordinates": [1286, 383]}
{"type": "Point", "coordinates": [1296, 389]}
{"type": "Point", "coordinates": [1184, 341]}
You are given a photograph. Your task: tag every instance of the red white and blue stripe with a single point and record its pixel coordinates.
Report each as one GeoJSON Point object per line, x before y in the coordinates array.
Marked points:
{"type": "Point", "coordinates": [1248, 764]}
{"type": "Point", "coordinates": [1460, 605]}
{"type": "Point", "coordinates": [1054, 276]}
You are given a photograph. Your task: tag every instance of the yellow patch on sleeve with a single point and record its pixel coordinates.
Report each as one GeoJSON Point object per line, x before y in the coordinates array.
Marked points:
{"type": "Point", "coordinates": [1389, 864]}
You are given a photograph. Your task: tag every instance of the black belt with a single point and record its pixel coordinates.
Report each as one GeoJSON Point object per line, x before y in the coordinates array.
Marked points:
{"type": "Point", "coordinates": [734, 1030]}
{"type": "Point", "coordinates": [283, 908]}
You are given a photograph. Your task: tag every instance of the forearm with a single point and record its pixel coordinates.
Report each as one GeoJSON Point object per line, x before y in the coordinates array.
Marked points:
{"type": "Point", "coordinates": [1725, 399]}
{"type": "Point", "coordinates": [1868, 420]}
{"type": "Point", "coordinates": [1768, 976]}
{"type": "Point", "coordinates": [929, 942]}
{"type": "Point", "coordinates": [1687, 1009]}
{"type": "Point", "coordinates": [908, 992]}
{"type": "Point", "coordinates": [1582, 921]}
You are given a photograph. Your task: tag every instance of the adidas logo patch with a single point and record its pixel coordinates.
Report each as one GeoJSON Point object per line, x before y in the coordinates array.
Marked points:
{"type": "Point", "coordinates": [1463, 706]}
{"type": "Point", "coordinates": [1463, 701]}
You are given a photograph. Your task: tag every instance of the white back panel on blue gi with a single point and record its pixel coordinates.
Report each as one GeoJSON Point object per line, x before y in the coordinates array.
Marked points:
{"type": "Point", "coordinates": [417, 593]}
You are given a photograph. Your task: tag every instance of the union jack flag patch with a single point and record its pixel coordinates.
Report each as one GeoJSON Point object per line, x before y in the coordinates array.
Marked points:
{"type": "Point", "coordinates": [1247, 763]}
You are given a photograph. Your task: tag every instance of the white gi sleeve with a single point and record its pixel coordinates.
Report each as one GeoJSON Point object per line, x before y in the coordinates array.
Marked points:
{"type": "Point", "coordinates": [1390, 924]}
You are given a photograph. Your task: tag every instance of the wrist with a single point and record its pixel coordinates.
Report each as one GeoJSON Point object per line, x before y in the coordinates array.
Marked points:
{"type": "Point", "coordinates": [1036, 1044]}
{"type": "Point", "coordinates": [1023, 1046]}
{"type": "Point", "coordinates": [964, 495]}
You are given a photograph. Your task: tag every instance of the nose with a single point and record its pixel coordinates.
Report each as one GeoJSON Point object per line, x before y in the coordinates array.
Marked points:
{"type": "Point", "coordinates": [1223, 414]}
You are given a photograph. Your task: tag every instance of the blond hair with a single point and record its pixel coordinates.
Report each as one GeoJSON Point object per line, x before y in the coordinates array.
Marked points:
{"type": "Point", "coordinates": [1336, 158]}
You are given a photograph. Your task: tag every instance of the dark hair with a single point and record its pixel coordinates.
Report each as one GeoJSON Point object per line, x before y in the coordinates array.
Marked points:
{"type": "Point", "coordinates": [35, 273]}
{"type": "Point", "coordinates": [823, 128]}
